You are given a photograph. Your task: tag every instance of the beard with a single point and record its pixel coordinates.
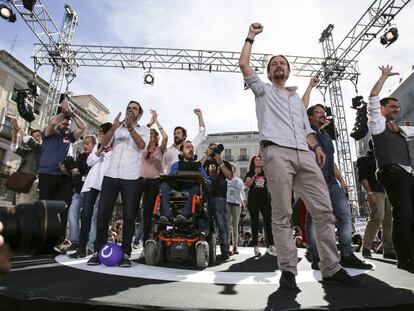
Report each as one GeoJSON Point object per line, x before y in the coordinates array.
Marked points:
{"type": "Point", "coordinates": [178, 140]}
{"type": "Point", "coordinates": [279, 75]}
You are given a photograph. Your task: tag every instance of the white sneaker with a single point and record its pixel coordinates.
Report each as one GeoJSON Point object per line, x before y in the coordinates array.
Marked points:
{"type": "Point", "coordinates": [271, 250]}
{"type": "Point", "coordinates": [257, 251]}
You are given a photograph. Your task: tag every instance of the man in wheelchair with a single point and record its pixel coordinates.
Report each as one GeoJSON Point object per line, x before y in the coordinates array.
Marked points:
{"type": "Point", "coordinates": [185, 165]}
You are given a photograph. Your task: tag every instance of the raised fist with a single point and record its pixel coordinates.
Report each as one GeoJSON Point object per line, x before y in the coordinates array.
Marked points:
{"type": "Point", "coordinates": [197, 111]}
{"type": "Point", "coordinates": [255, 29]}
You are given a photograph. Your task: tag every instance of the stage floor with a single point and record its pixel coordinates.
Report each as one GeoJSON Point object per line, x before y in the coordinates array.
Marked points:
{"type": "Point", "coordinates": [241, 283]}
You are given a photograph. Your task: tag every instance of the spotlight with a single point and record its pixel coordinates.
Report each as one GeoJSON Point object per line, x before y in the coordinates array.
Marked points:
{"type": "Point", "coordinates": [29, 4]}
{"type": "Point", "coordinates": [389, 36]}
{"type": "Point", "coordinates": [7, 13]}
{"type": "Point", "coordinates": [149, 78]}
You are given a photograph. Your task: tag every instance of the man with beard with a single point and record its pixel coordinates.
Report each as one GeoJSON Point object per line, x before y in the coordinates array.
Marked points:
{"type": "Point", "coordinates": [394, 172]}
{"type": "Point", "coordinates": [122, 176]}
{"type": "Point", "coordinates": [337, 192]}
{"type": "Point", "coordinates": [286, 135]}
{"type": "Point", "coordinates": [180, 135]}
{"type": "Point", "coordinates": [187, 150]}
{"type": "Point", "coordinates": [57, 139]}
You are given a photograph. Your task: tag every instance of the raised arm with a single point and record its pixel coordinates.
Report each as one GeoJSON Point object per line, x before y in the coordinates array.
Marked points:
{"type": "Point", "coordinates": [164, 135]}
{"type": "Point", "coordinates": [202, 128]}
{"type": "Point", "coordinates": [50, 128]}
{"type": "Point", "coordinates": [138, 140]}
{"type": "Point", "coordinates": [244, 61]}
{"type": "Point", "coordinates": [106, 139]}
{"type": "Point", "coordinates": [386, 71]}
{"type": "Point", "coordinates": [80, 126]}
{"type": "Point", "coordinates": [306, 96]}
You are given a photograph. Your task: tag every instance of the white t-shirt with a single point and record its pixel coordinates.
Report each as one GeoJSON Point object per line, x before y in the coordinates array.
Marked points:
{"type": "Point", "coordinates": [235, 191]}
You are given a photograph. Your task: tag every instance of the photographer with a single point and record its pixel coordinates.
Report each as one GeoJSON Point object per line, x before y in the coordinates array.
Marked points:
{"type": "Point", "coordinates": [57, 140]}
{"type": "Point", "coordinates": [218, 171]}
{"type": "Point", "coordinates": [30, 154]}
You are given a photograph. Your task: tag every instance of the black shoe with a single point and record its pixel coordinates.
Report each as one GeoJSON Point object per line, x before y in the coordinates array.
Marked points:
{"type": "Point", "coordinates": [406, 264]}
{"type": "Point", "coordinates": [94, 260]}
{"type": "Point", "coordinates": [315, 263]}
{"type": "Point", "coordinates": [125, 262]}
{"type": "Point", "coordinates": [342, 277]}
{"type": "Point", "coordinates": [78, 254]}
{"type": "Point", "coordinates": [308, 256]}
{"type": "Point", "coordinates": [287, 280]}
{"type": "Point", "coordinates": [390, 255]}
{"type": "Point", "coordinates": [366, 253]}
{"type": "Point", "coordinates": [225, 256]}
{"type": "Point", "coordinates": [180, 218]}
{"type": "Point", "coordinates": [352, 261]}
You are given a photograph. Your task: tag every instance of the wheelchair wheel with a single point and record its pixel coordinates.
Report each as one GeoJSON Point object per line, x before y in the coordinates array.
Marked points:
{"type": "Point", "coordinates": [202, 256]}
{"type": "Point", "coordinates": [212, 248]}
{"type": "Point", "coordinates": [153, 253]}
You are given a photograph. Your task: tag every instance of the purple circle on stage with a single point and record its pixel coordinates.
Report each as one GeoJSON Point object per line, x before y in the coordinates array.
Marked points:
{"type": "Point", "coordinates": [110, 254]}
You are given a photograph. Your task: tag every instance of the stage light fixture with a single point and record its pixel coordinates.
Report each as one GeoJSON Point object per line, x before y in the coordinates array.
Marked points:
{"type": "Point", "coordinates": [29, 4]}
{"type": "Point", "coordinates": [149, 78]}
{"type": "Point", "coordinates": [389, 36]}
{"type": "Point", "coordinates": [7, 13]}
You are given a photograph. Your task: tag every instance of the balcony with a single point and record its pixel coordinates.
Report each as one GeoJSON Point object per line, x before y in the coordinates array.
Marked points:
{"type": "Point", "coordinates": [228, 157]}
{"type": "Point", "coordinates": [5, 131]}
{"type": "Point", "coordinates": [243, 157]}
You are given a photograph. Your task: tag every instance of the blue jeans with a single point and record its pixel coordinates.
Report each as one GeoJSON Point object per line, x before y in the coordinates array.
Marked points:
{"type": "Point", "coordinates": [129, 190]}
{"type": "Point", "coordinates": [165, 198]}
{"type": "Point", "coordinates": [342, 212]}
{"type": "Point", "coordinates": [74, 217]}
{"type": "Point", "coordinates": [218, 208]}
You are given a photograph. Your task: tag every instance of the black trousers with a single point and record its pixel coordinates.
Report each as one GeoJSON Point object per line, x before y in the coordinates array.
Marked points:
{"type": "Point", "coordinates": [89, 200]}
{"type": "Point", "coordinates": [150, 189]}
{"type": "Point", "coordinates": [255, 205]}
{"type": "Point", "coordinates": [130, 190]}
{"type": "Point", "coordinates": [59, 188]}
{"type": "Point", "coordinates": [399, 186]}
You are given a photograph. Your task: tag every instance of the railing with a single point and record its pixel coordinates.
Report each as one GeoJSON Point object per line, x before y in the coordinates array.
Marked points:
{"type": "Point", "coordinates": [228, 157]}
{"type": "Point", "coordinates": [5, 131]}
{"type": "Point", "coordinates": [243, 158]}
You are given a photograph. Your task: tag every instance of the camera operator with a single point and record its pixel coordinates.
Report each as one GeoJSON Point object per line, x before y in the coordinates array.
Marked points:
{"type": "Point", "coordinates": [219, 171]}
{"type": "Point", "coordinates": [57, 140]}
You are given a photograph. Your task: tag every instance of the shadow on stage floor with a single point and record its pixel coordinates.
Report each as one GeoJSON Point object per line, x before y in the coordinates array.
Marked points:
{"type": "Point", "coordinates": [41, 283]}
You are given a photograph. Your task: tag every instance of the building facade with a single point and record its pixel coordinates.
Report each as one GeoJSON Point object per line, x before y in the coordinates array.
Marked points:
{"type": "Point", "coordinates": [14, 76]}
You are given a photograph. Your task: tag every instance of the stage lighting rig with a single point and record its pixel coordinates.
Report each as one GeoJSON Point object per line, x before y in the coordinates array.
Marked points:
{"type": "Point", "coordinates": [25, 101]}
{"type": "Point", "coordinates": [7, 13]}
{"type": "Point", "coordinates": [29, 4]}
{"type": "Point", "coordinates": [389, 36]}
{"type": "Point", "coordinates": [361, 127]}
{"type": "Point", "coordinates": [149, 78]}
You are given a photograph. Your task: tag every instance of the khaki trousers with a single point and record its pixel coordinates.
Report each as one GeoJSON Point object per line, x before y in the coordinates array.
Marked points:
{"type": "Point", "coordinates": [381, 213]}
{"type": "Point", "coordinates": [288, 169]}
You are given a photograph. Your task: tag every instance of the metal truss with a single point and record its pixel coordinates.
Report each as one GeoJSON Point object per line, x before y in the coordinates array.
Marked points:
{"type": "Point", "coordinates": [57, 43]}
{"type": "Point", "coordinates": [374, 20]}
{"type": "Point", "coordinates": [179, 59]}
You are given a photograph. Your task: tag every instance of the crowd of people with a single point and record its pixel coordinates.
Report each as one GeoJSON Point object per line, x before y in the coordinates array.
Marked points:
{"type": "Point", "coordinates": [296, 154]}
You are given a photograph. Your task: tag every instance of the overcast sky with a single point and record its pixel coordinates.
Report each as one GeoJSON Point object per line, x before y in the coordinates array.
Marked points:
{"type": "Point", "coordinates": [290, 27]}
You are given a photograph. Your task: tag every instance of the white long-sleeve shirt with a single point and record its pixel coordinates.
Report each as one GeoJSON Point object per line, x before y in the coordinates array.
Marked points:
{"type": "Point", "coordinates": [377, 123]}
{"type": "Point", "coordinates": [98, 165]}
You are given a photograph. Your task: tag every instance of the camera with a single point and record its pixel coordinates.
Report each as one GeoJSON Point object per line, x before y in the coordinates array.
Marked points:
{"type": "Point", "coordinates": [211, 160]}
{"type": "Point", "coordinates": [32, 228]}
{"type": "Point", "coordinates": [69, 163]}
